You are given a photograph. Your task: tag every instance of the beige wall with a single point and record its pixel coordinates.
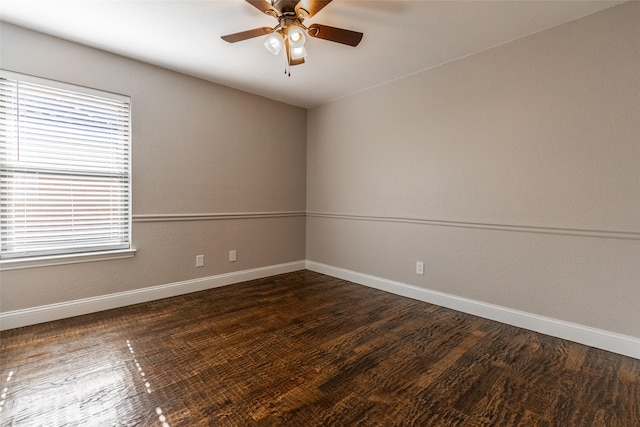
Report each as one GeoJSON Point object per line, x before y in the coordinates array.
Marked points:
{"type": "Point", "coordinates": [514, 174]}
{"type": "Point", "coordinates": [198, 148]}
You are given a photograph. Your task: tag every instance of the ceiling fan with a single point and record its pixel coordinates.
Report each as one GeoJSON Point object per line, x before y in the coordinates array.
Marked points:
{"type": "Point", "coordinates": [290, 31]}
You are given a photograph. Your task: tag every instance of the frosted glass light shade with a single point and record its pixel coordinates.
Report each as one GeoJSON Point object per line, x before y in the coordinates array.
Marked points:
{"type": "Point", "coordinates": [274, 43]}
{"type": "Point", "coordinates": [298, 52]}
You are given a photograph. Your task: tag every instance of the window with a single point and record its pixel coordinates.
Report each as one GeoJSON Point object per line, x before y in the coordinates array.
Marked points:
{"type": "Point", "coordinates": [64, 169]}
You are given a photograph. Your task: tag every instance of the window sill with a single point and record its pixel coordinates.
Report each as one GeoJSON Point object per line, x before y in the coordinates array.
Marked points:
{"type": "Point", "coordinates": [46, 261]}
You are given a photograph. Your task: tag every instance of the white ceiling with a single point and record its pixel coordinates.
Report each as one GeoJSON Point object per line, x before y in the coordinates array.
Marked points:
{"type": "Point", "coordinates": [400, 37]}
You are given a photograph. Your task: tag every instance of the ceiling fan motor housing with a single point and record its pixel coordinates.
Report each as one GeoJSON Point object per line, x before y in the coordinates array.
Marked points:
{"type": "Point", "coordinates": [286, 14]}
{"type": "Point", "coordinates": [288, 8]}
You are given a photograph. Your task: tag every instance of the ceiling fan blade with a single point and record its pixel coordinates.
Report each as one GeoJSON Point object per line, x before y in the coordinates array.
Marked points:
{"type": "Point", "coordinates": [249, 34]}
{"type": "Point", "coordinates": [261, 5]}
{"type": "Point", "coordinates": [311, 6]}
{"type": "Point", "coordinates": [338, 35]}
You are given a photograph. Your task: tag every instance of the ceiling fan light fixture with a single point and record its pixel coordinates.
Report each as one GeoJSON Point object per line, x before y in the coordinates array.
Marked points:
{"type": "Point", "coordinates": [290, 32]}
{"type": "Point", "coordinates": [274, 42]}
{"type": "Point", "coordinates": [296, 37]}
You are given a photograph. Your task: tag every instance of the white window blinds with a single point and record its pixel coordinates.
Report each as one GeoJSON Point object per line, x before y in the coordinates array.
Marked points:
{"type": "Point", "coordinates": [64, 168]}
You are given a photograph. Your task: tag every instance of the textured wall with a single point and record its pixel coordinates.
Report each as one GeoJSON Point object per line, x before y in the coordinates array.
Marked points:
{"type": "Point", "coordinates": [514, 174]}
{"type": "Point", "coordinates": [198, 148]}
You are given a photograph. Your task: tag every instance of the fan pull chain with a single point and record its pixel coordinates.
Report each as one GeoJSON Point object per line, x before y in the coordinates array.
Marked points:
{"type": "Point", "coordinates": [287, 66]}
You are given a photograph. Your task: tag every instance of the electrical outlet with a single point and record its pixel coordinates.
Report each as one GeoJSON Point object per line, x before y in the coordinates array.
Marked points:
{"type": "Point", "coordinates": [199, 260]}
{"type": "Point", "coordinates": [232, 255]}
{"type": "Point", "coordinates": [419, 267]}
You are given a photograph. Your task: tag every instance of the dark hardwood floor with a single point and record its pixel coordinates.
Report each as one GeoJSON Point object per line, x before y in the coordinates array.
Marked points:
{"type": "Point", "coordinates": [304, 349]}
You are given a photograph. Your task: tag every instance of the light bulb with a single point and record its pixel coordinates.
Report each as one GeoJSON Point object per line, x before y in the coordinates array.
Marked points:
{"type": "Point", "coordinates": [296, 37]}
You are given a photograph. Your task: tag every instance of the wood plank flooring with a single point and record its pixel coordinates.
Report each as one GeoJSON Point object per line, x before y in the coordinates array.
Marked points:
{"type": "Point", "coordinates": [304, 349]}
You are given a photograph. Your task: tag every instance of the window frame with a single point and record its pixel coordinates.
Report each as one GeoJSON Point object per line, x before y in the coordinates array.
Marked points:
{"type": "Point", "coordinates": [71, 255]}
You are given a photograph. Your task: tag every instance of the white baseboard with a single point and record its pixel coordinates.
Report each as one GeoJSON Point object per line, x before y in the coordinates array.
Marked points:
{"type": "Point", "coordinates": [605, 340]}
{"type": "Point", "coordinates": [610, 341]}
{"type": "Point", "coordinates": [46, 313]}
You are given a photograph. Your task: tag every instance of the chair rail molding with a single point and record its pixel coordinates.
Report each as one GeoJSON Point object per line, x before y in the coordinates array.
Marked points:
{"type": "Point", "coordinates": [214, 216]}
{"type": "Point", "coordinates": [565, 231]}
